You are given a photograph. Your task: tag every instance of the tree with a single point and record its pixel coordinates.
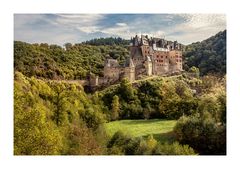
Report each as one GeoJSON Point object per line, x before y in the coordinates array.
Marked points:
{"type": "Point", "coordinates": [174, 149]}
{"type": "Point", "coordinates": [202, 133]}
{"type": "Point", "coordinates": [209, 55]}
{"type": "Point", "coordinates": [68, 46]}
{"type": "Point", "coordinates": [115, 107]}
{"type": "Point", "coordinates": [151, 142]}
{"type": "Point", "coordinates": [147, 111]}
{"type": "Point", "coordinates": [34, 133]}
{"type": "Point", "coordinates": [126, 90]}
{"type": "Point", "coordinates": [222, 101]}
{"type": "Point", "coordinates": [82, 141]}
{"type": "Point", "coordinates": [53, 118]}
{"type": "Point", "coordinates": [195, 71]}
{"type": "Point", "coordinates": [53, 62]}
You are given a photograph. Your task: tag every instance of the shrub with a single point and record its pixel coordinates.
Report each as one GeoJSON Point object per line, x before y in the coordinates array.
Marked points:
{"type": "Point", "coordinates": [202, 133]}
{"type": "Point", "coordinates": [174, 149]}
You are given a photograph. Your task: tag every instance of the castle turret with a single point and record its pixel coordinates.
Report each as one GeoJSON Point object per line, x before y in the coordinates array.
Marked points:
{"type": "Point", "coordinates": [136, 41]}
{"type": "Point", "coordinates": [148, 66]}
{"type": "Point", "coordinates": [154, 45]}
{"type": "Point", "coordinates": [129, 70]}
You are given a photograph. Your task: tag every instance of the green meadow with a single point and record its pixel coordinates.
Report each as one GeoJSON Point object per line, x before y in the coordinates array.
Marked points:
{"type": "Point", "coordinates": [160, 129]}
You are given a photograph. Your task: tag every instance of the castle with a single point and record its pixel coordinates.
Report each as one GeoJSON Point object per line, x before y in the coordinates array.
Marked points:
{"type": "Point", "coordinates": [148, 56]}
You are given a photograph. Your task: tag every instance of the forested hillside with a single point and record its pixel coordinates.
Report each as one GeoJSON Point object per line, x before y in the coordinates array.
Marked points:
{"type": "Point", "coordinates": [209, 55]}
{"type": "Point", "coordinates": [55, 117]}
{"type": "Point", "coordinates": [75, 60]}
{"type": "Point", "coordinates": [54, 62]}
{"type": "Point", "coordinates": [108, 41]}
{"type": "Point", "coordinates": [60, 118]}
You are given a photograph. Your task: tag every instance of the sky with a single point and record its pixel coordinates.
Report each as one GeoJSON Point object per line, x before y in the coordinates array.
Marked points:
{"type": "Point", "coordinates": [75, 28]}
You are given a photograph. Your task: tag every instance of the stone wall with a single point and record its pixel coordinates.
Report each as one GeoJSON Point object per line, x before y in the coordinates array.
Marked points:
{"type": "Point", "coordinates": [111, 72]}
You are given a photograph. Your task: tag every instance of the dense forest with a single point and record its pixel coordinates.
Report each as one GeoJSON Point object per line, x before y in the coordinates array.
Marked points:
{"type": "Point", "coordinates": [60, 118]}
{"type": "Point", "coordinates": [108, 41]}
{"type": "Point", "coordinates": [74, 61]}
{"type": "Point", "coordinates": [54, 117]}
{"type": "Point", "coordinates": [209, 55]}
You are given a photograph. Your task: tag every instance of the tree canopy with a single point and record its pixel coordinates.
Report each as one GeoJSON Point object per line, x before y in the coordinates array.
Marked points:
{"type": "Point", "coordinates": [69, 63]}
{"type": "Point", "coordinates": [209, 55]}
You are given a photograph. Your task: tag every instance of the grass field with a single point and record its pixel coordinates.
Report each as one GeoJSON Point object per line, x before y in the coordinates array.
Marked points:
{"type": "Point", "coordinates": [160, 129]}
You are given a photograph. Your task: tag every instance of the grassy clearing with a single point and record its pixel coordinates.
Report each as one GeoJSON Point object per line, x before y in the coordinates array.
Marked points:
{"type": "Point", "coordinates": [160, 129]}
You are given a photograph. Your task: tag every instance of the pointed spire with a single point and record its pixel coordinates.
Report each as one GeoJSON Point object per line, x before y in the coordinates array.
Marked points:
{"type": "Point", "coordinates": [131, 64]}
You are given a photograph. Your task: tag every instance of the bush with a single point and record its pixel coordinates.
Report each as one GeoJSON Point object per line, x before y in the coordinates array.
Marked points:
{"type": "Point", "coordinates": [174, 149]}
{"type": "Point", "coordinates": [81, 141]}
{"type": "Point", "coordinates": [202, 133]}
{"type": "Point", "coordinates": [121, 143]}
{"type": "Point", "coordinates": [118, 143]}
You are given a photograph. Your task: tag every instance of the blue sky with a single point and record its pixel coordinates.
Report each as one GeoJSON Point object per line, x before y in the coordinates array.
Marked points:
{"type": "Point", "coordinates": [75, 28]}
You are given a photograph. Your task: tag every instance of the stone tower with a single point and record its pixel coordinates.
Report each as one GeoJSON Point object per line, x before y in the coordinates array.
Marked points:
{"type": "Point", "coordinates": [129, 70]}
{"type": "Point", "coordinates": [148, 66]}
{"type": "Point", "coordinates": [111, 69]}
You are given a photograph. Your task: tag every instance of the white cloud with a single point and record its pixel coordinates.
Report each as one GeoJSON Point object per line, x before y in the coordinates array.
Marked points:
{"type": "Point", "coordinates": [120, 29]}
{"type": "Point", "coordinates": [197, 27]}
{"type": "Point", "coordinates": [204, 20]}
{"type": "Point", "coordinates": [86, 23]}
{"type": "Point", "coordinates": [79, 20]}
{"type": "Point", "coordinates": [121, 24]}
{"type": "Point", "coordinates": [89, 29]}
{"type": "Point", "coordinates": [194, 27]}
{"type": "Point", "coordinates": [186, 28]}
{"type": "Point", "coordinates": [22, 20]}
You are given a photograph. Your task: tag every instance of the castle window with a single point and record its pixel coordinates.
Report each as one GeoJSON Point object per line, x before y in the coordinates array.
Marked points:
{"type": "Point", "coordinates": [166, 57]}
{"type": "Point", "coordinates": [161, 56]}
